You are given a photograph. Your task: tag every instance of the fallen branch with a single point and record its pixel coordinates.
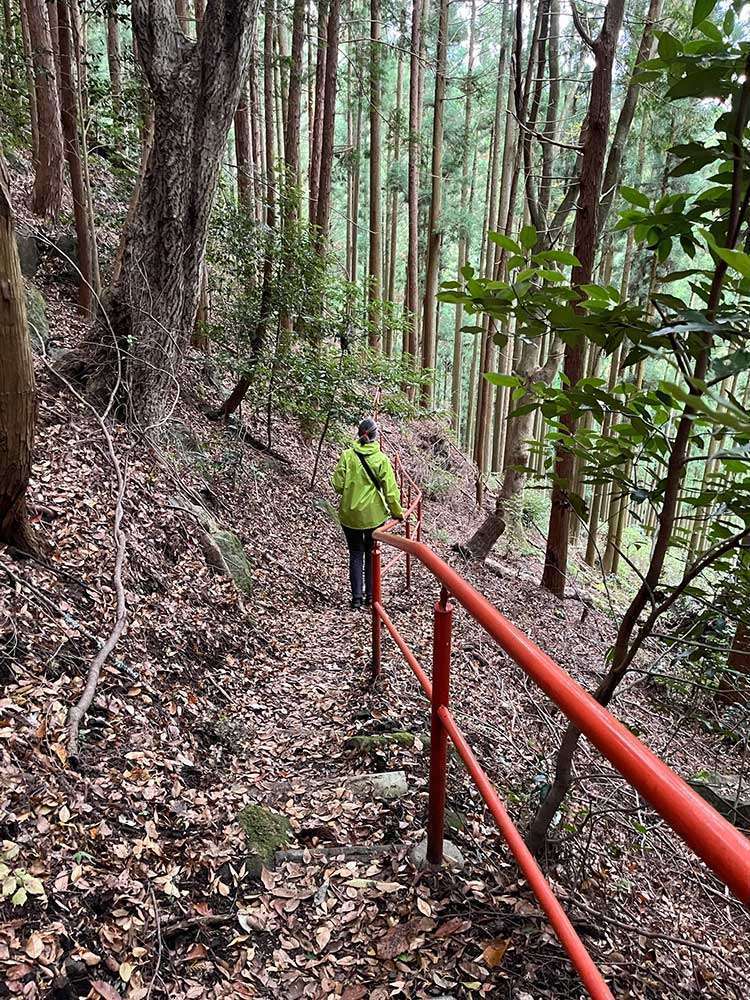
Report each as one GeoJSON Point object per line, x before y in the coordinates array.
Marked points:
{"type": "Point", "coordinates": [83, 704]}
{"type": "Point", "coordinates": [170, 931]}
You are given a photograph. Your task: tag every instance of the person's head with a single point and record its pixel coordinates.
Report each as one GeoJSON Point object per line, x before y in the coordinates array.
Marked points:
{"type": "Point", "coordinates": [367, 431]}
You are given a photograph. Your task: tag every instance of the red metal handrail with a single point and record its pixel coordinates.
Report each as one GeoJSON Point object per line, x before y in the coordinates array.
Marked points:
{"type": "Point", "coordinates": [724, 849]}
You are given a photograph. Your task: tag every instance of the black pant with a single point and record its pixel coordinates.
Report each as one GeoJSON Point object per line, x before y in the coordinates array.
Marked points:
{"type": "Point", "coordinates": [359, 543]}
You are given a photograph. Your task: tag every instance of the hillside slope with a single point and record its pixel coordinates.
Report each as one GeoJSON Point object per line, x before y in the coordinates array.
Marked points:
{"type": "Point", "coordinates": [133, 856]}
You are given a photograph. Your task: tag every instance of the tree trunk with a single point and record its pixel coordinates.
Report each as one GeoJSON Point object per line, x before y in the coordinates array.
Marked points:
{"type": "Point", "coordinates": [375, 258]}
{"type": "Point", "coordinates": [329, 117]}
{"type": "Point", "coordinates": [30, 84]}
{"type": "Point", "coordinates": [316, 146]}
{"type": "Point", "coordinates": [46, 198]}
{"type": "Point", "coordinates": [463, 234]}
{"type": "Point", "coordinates": [269, 14]}
{"type": "Point", "coordinates": [394, 195]}
{"type": "Point", "coordinates": [68, 110]}
{"type": "Point", "coordinates": [434, 233]}
{"type": "Point", "coordinates": [732, 688]}
{"type": "Point", "coordinates": [153, 301]}
{"type": "Point", "coordinates": [613, 171]}
{"type": "Point", "coordinates": [586, 235]}
{"type": "Point", "coordinates": [294, 110]}
{"type": "Point", "coordinates": [17, 387]}
{"type": "Point", "coordinates": [114, 60]}
{"type": "Point", "coordinates": [243, 151]}
{"type": "Point", "coordinates": [411, 299]}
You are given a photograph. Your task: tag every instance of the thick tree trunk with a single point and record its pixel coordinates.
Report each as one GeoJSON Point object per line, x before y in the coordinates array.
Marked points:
{"type": "Point", "coordinates": [586, 234]}
{"type": "Point", "coordinates": [411, 299]}
{"type": "Point", "coordinates": [153, 301]}
{"type": "Point", "coordinates": [434, 232]}
{"type": "Point", "coordinates": [17, 388]}
{"type": "Point", "coordinates": [68, 110]}
{"type": "Point", "coordinates": [47, 195]}
{"type": "Point", "coordinates": [375, 258]}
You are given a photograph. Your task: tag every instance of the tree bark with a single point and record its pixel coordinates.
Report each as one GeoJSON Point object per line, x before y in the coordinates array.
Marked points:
{"type": "Point", "coordinates": [243, 148]}
{"type": "Point", "coordinates": [68, 110]}
{"type": "Point", "coordinates": [411, 300]}
{"type": "Point", "coordinates": [595, 133]}
{"type": "Point", "coordinates": [463, 238]}
{"type": "Point", "coordinates": [434, 233]}
{"type": "Point", "coordinates": [46, 199]}
{"type": "Point", "coordinates": [613, 170]}
{"type": "Point", "coordinates": [17, 386]}
{"type": "Point", "coordinates": [153, 301]}
{"type": "Point", "coordinates": [329, 118]}
{"type": "Point", "coordinates": [316, 145]}
{"type": "Point", "coordinates": [30, 83]}
{"type": "Point", "coordinates": [732, 688]}
{"type": "Point", "coordinates": [375, 258]}
{"type": "Point", "coordinates": [294, 110]}
{"type": "Point", "coordinates": [114, 60]}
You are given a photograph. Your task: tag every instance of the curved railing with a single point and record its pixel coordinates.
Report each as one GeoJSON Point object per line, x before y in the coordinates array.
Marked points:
{"type": "Point", "coordinates": [724, 849]}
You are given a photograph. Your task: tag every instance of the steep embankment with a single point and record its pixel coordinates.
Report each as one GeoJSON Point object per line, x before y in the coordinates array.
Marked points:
{"type": "Point", "coordinates": [135, 864]}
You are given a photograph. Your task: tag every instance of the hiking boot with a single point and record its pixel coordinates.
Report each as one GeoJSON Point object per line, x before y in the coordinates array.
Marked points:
{"type": "Point", "coordinates": [368, 601]}
{"type": "Point", "coordinates": [356, 603]}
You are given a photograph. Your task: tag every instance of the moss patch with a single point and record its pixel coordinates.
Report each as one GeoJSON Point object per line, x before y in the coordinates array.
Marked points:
{"type": "Point", "coordinates": [381, 741]}
{"type": "Point", "coordinates": [266, 833]}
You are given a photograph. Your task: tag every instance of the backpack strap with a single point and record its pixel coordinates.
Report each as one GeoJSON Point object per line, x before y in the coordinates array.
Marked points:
{"type": "Point", "coordinates": [370, 474]}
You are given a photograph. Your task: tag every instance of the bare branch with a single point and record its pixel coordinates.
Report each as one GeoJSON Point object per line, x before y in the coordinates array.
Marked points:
{"type": "Point", "coordinates": [580, 27]}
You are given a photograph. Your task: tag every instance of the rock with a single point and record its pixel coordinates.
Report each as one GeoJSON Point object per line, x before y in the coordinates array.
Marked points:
{"type": "Point", "coordinates": [387, 785]}
{"type": "Point", "coordinates": [28, 254]}
{"type": "Point", "coordinates": [729, 794]}
{"type": "Point", "coordinates": [452, 857]}
{"type": "Point", "coordinates": [266, 832]}
{"type": "Point", "coordinates": [36, 318]}
{"type": "Point", "coordinates": [381, 741]}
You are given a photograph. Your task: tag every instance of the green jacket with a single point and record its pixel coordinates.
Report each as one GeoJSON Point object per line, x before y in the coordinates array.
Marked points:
{"type": "Point", "coordinates": [362, 506]}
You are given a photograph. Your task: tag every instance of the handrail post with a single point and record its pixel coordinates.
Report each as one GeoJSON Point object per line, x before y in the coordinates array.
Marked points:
{"type": "Point", "coordinates": [441, 666]}
{"type": "Point", "coordinates": [377, 629]}
{"type": "Point", "coordinates": [407, 532]}
{"type": "Point", "coordinates": [419, 520]}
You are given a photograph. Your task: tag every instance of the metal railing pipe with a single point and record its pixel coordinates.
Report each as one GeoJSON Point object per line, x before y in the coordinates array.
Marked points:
{"type": "Point", "coordinates": [724, 849]}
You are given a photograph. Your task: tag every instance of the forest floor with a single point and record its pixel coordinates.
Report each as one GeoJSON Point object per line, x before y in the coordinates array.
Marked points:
{"type": "Point", "coordinates": [133, 857]}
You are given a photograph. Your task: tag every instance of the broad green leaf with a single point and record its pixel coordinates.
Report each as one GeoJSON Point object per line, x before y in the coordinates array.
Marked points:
{"type": "Point", "coordinates": [634, 197]}
{"type": "Point", "coordinates": [736, 259]}
{"type": "Point", "coordinates": [558, 257]}
{"type": "Point", "coordinates": [505, 380]}
{"type": "Point", "coordinates": [505, 242]}
{"type": "Point", "coordinates": [702, 10]}
{"type": "Point", "coordinates": [528, 237]}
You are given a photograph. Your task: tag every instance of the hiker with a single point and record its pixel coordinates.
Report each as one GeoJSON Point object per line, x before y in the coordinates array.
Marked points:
{"type": "Point", "coordinates": [368, 489]}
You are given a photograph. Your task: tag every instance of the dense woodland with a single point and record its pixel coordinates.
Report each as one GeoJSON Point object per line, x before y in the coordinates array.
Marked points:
{"type": "Point", "coordinates": [524, 224]}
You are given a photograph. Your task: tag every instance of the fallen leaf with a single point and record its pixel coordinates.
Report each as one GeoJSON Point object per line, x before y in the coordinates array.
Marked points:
{"type": "Point", "coordinates": [125, 971]}
{"type": "Point", "coordinates": [323, 936]}
{"type": "Point", "coordinates": [34, 946]}
{"type": "Point", "coordinates": [494, 951]}
{"type": "Point", "coordinates": [455, 925]}
{"type": "Point", "coordinates": [105, 990]}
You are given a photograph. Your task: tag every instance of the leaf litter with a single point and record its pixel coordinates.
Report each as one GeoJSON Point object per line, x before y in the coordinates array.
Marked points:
{"type": "Point", "coordinates": [127, 875]}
